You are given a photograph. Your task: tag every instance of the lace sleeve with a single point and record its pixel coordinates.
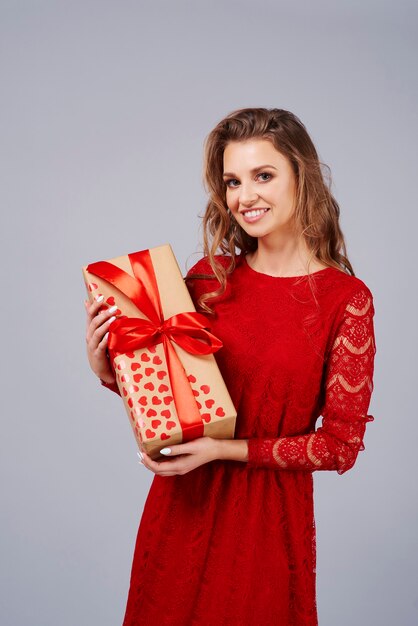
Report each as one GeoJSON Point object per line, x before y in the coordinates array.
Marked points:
{"type": "Point", "coordinates": [348, 388]}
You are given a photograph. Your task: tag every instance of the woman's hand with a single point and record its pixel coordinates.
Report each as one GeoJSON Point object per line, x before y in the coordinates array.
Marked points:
{"type": "Point", "coordinates": [186, 457]}
{"type": "Point", "coordinates": [96, 338]}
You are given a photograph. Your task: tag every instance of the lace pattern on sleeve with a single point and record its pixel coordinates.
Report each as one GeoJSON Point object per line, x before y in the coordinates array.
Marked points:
{"type": "Point", "coordinates": [348, 388]}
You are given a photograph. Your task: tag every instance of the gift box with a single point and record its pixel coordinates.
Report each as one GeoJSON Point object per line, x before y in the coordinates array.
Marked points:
{"type": "Point", "coordinates": [161, 350]}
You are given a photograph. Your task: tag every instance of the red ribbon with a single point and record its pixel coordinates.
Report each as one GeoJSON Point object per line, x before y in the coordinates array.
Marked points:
{"type": "Point", "coordinates": [189, 330]}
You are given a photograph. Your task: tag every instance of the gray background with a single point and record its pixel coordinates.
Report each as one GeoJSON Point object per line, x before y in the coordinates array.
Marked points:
{"type": "Point", "coordinates": [105, 106]}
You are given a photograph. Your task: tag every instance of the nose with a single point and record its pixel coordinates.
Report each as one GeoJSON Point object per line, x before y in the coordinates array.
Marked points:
{"type": "Point", "coordinates": [248, 194]}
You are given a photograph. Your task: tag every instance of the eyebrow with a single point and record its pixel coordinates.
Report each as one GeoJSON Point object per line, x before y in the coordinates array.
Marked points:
{"type": "Point", "coordinates": [253, 171]}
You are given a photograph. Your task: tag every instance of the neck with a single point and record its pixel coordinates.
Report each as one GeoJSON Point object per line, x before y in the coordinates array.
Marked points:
{"type": "Point", "coordinates": [285, 256]}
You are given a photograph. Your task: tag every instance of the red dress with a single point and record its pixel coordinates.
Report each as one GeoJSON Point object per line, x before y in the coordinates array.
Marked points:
{"type": "Point", "coordinates": [233, 543]}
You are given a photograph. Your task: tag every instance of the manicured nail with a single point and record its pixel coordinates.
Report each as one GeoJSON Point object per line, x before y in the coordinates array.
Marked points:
{"type": "Point", "coordinates": [98, 298]}
{"type": "Point", "coordinates": [106, 336]}
{"type": "Point", "coordinates": [112, 309]}
{"type": "Point", "coordinates": [111, 319]}
{"type": "Point", "coordinates": [165, 451]}
{"type": "Point", "coordinates": [140, 458]}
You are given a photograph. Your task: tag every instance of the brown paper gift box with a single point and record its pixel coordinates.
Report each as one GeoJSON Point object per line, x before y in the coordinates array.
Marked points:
{"type": "Point", "coordinates": [142, 374]}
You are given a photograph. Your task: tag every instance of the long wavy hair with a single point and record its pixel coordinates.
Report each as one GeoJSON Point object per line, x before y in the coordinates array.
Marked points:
{"type": "Point", "coordinates": [316, 210]}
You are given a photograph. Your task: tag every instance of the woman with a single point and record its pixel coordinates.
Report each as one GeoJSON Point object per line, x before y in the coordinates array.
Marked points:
{"type": "Point", "coordinates": [227, 535]}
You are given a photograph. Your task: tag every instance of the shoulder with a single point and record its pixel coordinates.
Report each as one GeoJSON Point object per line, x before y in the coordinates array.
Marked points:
{"type": "Point", "coordinates": [352, 304]}
{"type": "Point", "coordinates": [203, 269]}
{"type": "Point", "coordinates": [342, 297]}
{"type": "Point", "coordinates": [201, 279]}
{"type": "Point", "coordinates": [344, 288]}
{"type": "Point", "coordinates": [348, 307]}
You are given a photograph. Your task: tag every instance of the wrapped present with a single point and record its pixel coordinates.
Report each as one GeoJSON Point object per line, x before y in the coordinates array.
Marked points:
{"type": "Point", "coordinates": [161, 350]}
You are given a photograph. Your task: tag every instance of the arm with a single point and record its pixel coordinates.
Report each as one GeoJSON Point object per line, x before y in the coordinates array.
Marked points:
{"type": "Point", "coordinates": [348, 387]}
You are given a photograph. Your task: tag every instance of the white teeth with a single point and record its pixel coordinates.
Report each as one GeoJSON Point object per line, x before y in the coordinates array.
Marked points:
{"type": "Point", "coordinates": [255, 213]}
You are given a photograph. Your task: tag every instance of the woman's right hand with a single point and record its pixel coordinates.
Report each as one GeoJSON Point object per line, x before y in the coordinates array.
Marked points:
{"type": "Point", "coordinates": [96, 339]}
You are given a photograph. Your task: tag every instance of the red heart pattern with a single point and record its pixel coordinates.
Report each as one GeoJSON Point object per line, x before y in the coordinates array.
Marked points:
{"type": "Point", "coordinates": [155, 407]}
{"type": "Point", "coordinates": [209, 403]}
{"type": "Point", "coordinates": [110, 301]}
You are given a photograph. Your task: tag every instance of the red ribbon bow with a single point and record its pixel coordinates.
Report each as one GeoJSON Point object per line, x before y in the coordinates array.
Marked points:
{"type": "Point", "coordinates": [189, 330]}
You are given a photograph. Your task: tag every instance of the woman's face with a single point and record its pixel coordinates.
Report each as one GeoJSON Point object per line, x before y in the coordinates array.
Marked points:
{"type": "Point", "coordinates": [258, 177]}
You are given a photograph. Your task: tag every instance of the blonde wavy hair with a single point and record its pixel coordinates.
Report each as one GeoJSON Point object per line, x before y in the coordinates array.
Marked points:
{"type": "Point", "coordinates": [316, 210]}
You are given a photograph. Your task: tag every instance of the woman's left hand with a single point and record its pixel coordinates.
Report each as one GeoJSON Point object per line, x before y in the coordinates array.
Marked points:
{"type": "Point", "coordinates": [184, 457]}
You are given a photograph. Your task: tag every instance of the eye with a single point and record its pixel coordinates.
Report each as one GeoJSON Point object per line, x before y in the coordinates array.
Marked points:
{"type": "Point", "coordinates": [231, 180]}
{"type": "Point", "coordinates": [265, 174]}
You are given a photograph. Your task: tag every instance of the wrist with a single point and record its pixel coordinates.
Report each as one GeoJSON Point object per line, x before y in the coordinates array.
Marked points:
{"type": "Point", "coordinates": [107, 376]}
{"type": "Point", "coordinates": [106, 381]}
{"type": "Point", "coordinates": [232, 450]}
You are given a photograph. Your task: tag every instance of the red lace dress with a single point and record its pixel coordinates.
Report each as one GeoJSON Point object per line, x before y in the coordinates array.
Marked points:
{"type": "Point", "coordinates": [233, 543]}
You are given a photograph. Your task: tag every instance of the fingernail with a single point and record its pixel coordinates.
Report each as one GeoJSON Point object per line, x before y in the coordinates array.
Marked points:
{"type": "Point", "coordinates": [106, 336]}
{"type": "Point", "coordinates": [98, 298]}
{"type": "Point", "coordinates": [140, 456]}
{"type": "Point", "coordinates": [165, 451]}
{"type": "Point", "coordinates": [112, 309]}
{"type": "Point", "coordinates": [111, 319]}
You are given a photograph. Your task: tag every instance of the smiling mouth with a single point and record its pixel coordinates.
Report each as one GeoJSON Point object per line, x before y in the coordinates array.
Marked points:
{"type": "Point", "coordinates": [254, 212]}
